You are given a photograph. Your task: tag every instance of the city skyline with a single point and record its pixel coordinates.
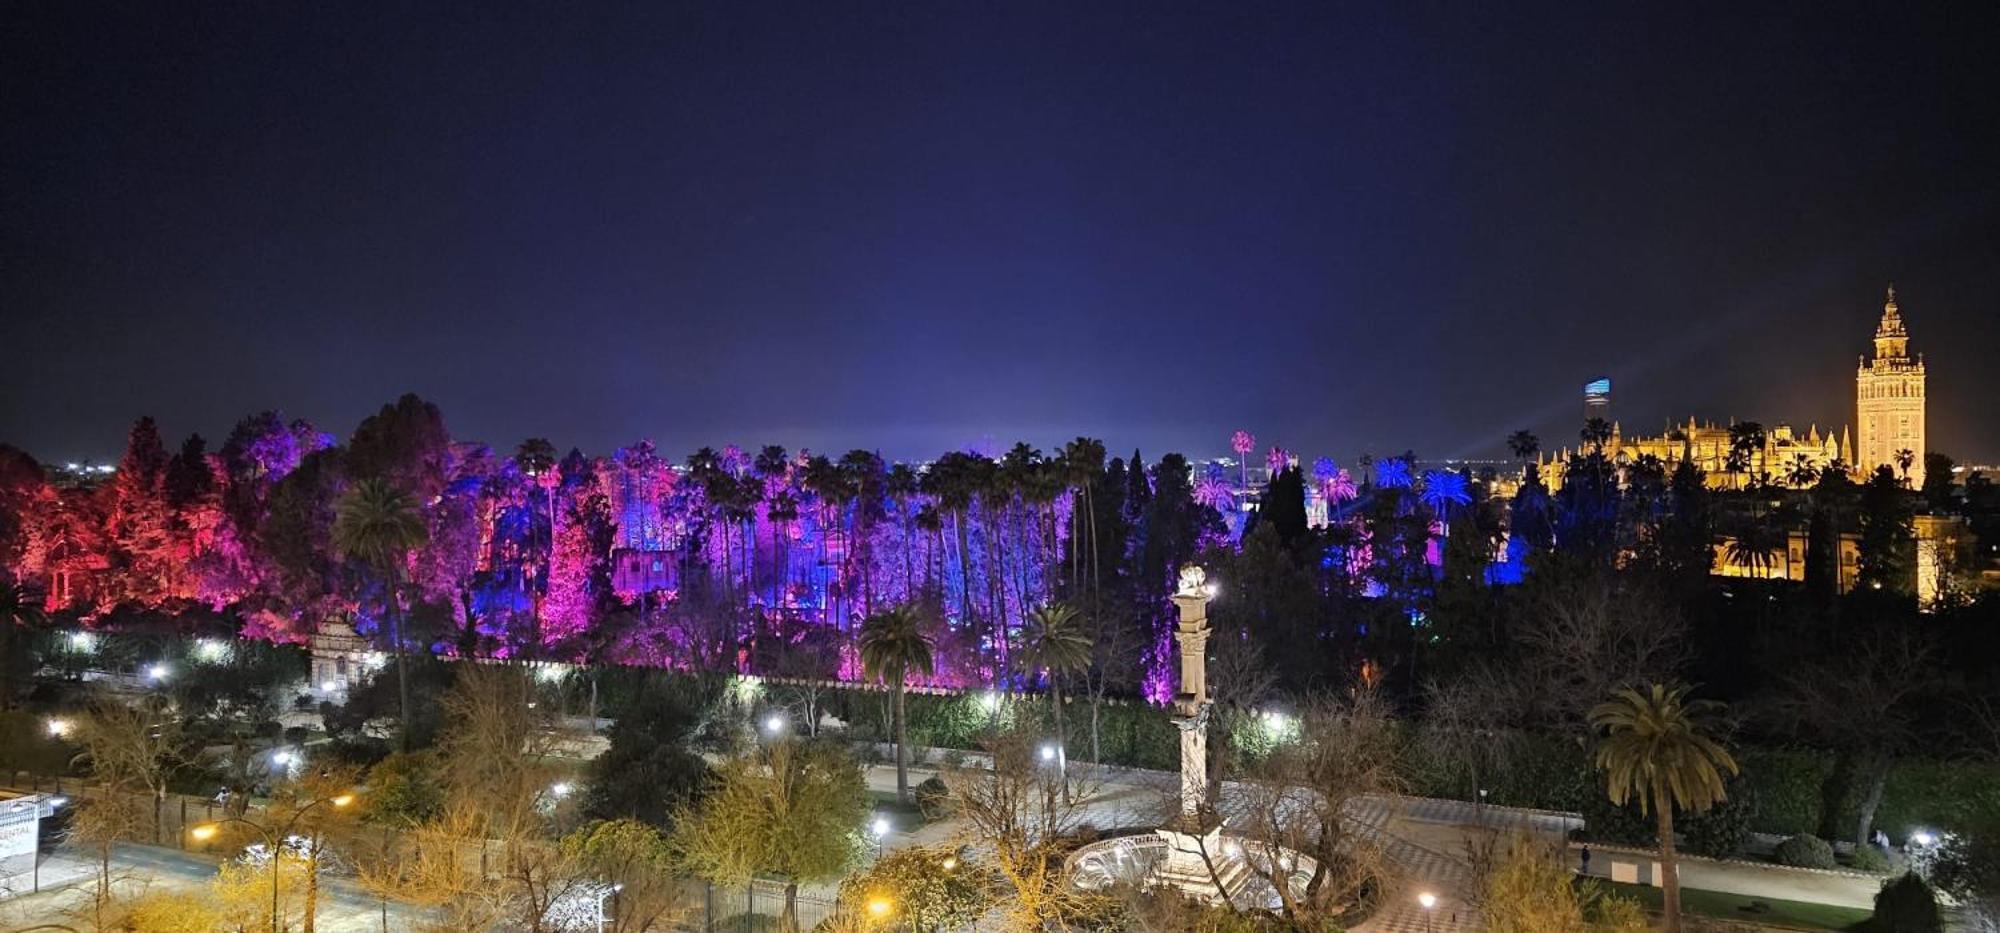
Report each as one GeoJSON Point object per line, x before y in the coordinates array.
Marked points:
{"type": "Point", "coordinates": [1598, 396]}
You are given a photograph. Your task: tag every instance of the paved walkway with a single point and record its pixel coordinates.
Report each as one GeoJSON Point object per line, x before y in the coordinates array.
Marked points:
{"type": "Point", "coordinates": [68, 885]}
{"type": "Point", "coordinates": [1425, 838]}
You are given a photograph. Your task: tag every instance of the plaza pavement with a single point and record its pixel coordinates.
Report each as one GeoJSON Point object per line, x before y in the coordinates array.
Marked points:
{"type": "Point", "coordinates": [1425, 837]}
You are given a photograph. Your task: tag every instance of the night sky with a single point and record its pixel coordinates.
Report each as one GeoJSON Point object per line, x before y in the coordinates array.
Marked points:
{"type": "Point", "coordinates": [921, 227]}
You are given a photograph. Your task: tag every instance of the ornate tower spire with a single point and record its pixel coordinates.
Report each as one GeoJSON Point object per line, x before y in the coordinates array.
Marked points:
{"type": "Point", "coordinates": [1889, 398]}
{"type": "Point", "coordinates": [1892, 340]}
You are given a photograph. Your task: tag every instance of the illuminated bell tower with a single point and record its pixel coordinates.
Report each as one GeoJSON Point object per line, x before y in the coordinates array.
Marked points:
{"type": "Point", "coordinates": [1889, 401]}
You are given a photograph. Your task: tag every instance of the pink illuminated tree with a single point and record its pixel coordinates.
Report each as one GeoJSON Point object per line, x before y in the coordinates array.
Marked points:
{"type": "Point", "coordinates": [1243, 443]}
{"type": "Point", "coordinates": [1276, 460]}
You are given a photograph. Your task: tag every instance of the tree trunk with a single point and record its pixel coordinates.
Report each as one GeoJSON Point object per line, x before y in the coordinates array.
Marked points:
{"type": "Point", "coordinates": [790, 921]}
{"type": "Point", "coordinates": [312, 885]}
{"type": "Point", "coordinates": [1096, 754]}
{"type": "Point", "coordinates": [1670, 877]}
{"type": "Point", "coordinates": [402, 666]}
{"type": "Point", "coordinates": [902, 748]}
{"type": "Point", "coordinates": [1877, 775]}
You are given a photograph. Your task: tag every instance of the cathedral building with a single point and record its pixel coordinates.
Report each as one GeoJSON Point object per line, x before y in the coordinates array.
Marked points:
{"type": "Point", "coordinates": [1889, 402]}
{"type": "Point", "coordinates": [1785, 455]}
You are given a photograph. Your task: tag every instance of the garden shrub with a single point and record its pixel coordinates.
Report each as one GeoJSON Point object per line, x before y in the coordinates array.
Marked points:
{"type": "Point", "coordinates": [933, 799]}
{"type": "Point", "coordinates": [931, 887]}
{"type": "Point", "coordinates": [1906, 904]}
{"type": "Point", "coordinates": [1724, 829]}
{"type": "Point", "coordinates": [1868, 858]}
{"type": "Point", "coordinates": [1805, 850]}
{"type": "Point", "coordinates": [1789, 784]}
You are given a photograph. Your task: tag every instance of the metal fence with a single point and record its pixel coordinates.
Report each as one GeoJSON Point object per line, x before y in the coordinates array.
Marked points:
{"type": "Point", "coordinates": [755, 908]}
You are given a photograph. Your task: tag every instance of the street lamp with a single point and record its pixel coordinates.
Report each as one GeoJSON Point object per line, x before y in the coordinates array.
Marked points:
{"type": "Point", "coordinates": [158, 672]}
{"type": "Point", "coordinates": [1429, 902]}
{"type": "Point", "coordinates": [774, 724]}
{"type": "Point", "coordinates": [207, 831]}
{"type": "Point", "coordinates": [881, 907]}
{"type": "Point", "coordinates": [58, 727]}
{"type": "Point", "coordinates": [879, 829]}
{"type": "Point", "coordinates": [601, 898]}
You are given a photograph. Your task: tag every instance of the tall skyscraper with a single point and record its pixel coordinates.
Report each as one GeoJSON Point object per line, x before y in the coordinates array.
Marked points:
{"type": "Point", "coordinates": [1597, 399]}
{"type": "Point", "coordinates": [1889, 401]}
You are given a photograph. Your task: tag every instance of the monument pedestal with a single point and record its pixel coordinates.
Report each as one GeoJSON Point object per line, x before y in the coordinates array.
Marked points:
{"type": "Point", "coordinates": [1201, 865]}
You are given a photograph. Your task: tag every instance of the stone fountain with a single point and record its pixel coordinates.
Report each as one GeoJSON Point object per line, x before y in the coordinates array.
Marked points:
{"type": "Point", "coordinates": [1191, 853]}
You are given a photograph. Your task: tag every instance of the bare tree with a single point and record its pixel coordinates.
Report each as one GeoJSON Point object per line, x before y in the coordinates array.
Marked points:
{"type": "Point", "coordinates": [128, 749]}
{"type": "Point", "coordinates": [436, 869]}
{"type": "Point", "coordinates": [1466, 728]}
{"type": "Point", "coordinates": [1238, 682]}
{"type": "Point", "coordinates": [1026, 810]}
{"type": "Point", "coordinates": [499, 748]}
{"type": "Point", "coordinates": [1114, 665]}
{"type": "Point", "coordinates": [1862, 701]}
{"type": "Point", "coordinates": [1305, 798]}
{"type": "Point", "coordinates": [1589, 631]}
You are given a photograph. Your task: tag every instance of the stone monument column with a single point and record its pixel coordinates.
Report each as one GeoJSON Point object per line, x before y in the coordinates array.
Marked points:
{"type": "Point", "coordinates": [1191, 701]}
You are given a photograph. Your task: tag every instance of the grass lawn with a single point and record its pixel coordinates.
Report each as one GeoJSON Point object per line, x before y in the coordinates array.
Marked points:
{"type": "Point", "coordinates": [1797, 915]}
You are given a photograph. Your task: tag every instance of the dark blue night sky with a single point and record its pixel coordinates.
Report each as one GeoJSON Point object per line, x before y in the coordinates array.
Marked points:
{"type": "Point", "coordinates": [922, 226]}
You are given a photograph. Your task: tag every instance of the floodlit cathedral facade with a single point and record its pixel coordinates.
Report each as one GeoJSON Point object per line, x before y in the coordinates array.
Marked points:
{"type": "Point", "coordinates": [1708, 445]}
{"type": "Point", "coordinates": [1889, 401]}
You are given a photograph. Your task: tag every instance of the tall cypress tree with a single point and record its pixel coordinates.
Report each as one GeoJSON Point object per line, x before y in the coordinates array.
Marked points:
{"type": "Point", "coordinates": [1888, 546]}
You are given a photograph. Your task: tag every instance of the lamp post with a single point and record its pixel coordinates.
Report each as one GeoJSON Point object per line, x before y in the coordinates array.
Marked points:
{"type": "Point", "coordinates": [1429, 902]}
{"type": "Point", "coordinates": [272, 841]}
{"type": "Point", "coordinates": [607, 894]}
{"type": "Point", "coordinates": [879, 829]}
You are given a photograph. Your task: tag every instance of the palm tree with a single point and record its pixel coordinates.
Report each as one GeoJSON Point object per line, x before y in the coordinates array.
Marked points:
{"type": "Point", "coordinates": [893, 644]}
{"type": "Point", "coordinates": [1055, 641]}
{"type": "Point", "coordinates": [1596, 433]}
{"type": "Point", "coordinates": [1656, 748]}
{"type": "Point", "coordinates": [1754, 547]}
{"type": "Point", "coordinates": [17, 611]}
{"type": "Point", "coordinates": [1442, 490]}
{"type": "Point", "coordinates": [1746, 438]}
{"type": "Point", "coordinates": [1801, 473]}
{"type": "Point", "coordinates": [1243, 443]}
{"type": "Point", "coordinates": [379, 525]}
{"type": "Point", "coordinates": [1524, 444]}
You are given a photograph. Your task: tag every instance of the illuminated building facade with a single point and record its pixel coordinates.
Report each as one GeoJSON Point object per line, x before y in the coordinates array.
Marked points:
{"type": "Point", "coordinates": [1889, 401]}
{"type": "Point", "coordinates": [1783, 453]}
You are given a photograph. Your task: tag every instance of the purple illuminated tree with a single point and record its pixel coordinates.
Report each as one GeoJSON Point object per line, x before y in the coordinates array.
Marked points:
{"type": "Point", "coordinates": [1339, 487]}
{"type": "Point", "coordinates": [1213, 490]}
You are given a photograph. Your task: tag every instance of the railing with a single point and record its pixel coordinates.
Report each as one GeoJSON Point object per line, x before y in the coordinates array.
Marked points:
{"type": "Point", "coordinates": [753, 908]}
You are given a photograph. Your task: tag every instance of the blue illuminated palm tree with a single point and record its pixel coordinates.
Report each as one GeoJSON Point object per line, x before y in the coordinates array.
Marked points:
{"type": "Point", "coordinates": [1393, 472]}
{"type": "Point", "coordinates": [1442, 490]}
